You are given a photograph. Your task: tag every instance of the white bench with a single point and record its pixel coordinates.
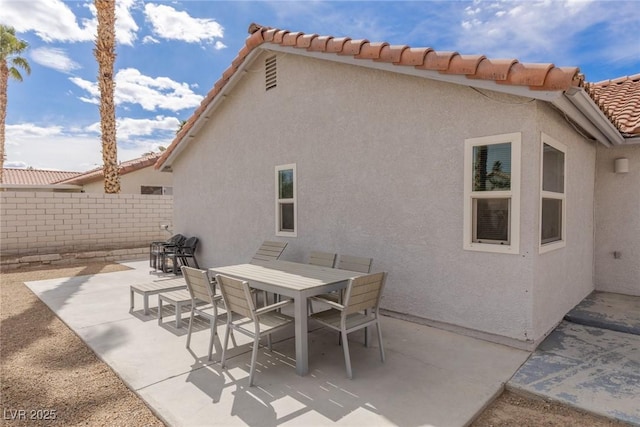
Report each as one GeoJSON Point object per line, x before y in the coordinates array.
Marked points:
{"type": "Point", "coordinates": [154, 288]}
{"type": "Point", "coordinates": [179, 299]}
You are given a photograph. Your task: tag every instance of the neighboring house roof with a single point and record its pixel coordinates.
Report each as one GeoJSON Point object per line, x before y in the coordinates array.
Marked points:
{"type": "Point", "coordinates": [124, 168]}
{"type": "Point", "coordinates": [11, 176]}
{"type": "Point", "coordinates": [620, 100]}
{"type": "Point", "coordinates": [564, 87]}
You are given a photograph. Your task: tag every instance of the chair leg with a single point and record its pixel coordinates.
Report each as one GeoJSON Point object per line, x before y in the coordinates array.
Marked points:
{"type": "Point", "coordinates": [224, 347]}
{"type": "Point", "coordinates": [347, 358]}
{"type": "Point", "coordinates": [214, 331]}
{"type": "Point", "coordinates": [193, 306]}
{"type": "Point", "coordinates": [269, 342]}
{"type": "Point", "coordinates": [254, 357]}
{"type": "Point", "coordinates": [380, 341]}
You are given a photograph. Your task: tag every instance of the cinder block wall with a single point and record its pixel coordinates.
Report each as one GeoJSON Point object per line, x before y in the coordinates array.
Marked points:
{"type": "Point", "coordinates": [48, 223]}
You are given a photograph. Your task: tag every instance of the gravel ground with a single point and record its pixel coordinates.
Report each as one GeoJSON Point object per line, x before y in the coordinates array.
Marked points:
{"type": "Point", "coordinates": [47, 374]}
{"type": "Point", "coordinates": [50, 377]}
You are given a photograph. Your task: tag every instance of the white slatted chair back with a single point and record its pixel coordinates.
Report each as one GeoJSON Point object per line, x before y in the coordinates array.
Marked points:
{"type": "Point", "coordinates": [353, 263]}
{"type": "Point", "coordinates": [236, 295]}
{"type": "Point", "coordinates": [198, 284]}
{"type": "Point", "coordinates": [323, 259]}
{"type": "Point", "coordinates": [364, 293]}
{"type": "Point", "coordinates": [269, 251]}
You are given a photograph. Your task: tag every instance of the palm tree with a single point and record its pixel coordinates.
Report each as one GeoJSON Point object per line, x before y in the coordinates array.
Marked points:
{"type": "Point", "coordinates": [10, 60]}
{"type": "Point", "coordinates": [105, 55]}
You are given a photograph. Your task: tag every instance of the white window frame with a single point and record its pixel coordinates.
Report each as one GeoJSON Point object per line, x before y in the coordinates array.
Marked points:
{"type": "Point", "coordinates": [551, 246]}
{"type": "Point", "coordinates": [515, 139]}
{"type": "Point", "coordinates": [279, 201]}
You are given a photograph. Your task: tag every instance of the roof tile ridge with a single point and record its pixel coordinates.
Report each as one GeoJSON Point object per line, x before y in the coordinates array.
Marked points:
{"type": "Point", "coordinates": [371, 50]}
{"type": "Point", "coordinates": [353, 47]}
{"type": "Point", "coordinates": [336, 44]}
{"type": "Point", "coordinates": [414, 56]}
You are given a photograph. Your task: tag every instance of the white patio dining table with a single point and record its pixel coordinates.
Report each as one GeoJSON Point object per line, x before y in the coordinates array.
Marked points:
{"type": "Point", "coordinates": [294, 280]}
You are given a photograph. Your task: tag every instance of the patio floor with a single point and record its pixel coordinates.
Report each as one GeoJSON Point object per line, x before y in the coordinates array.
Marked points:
{"type": "Point", "coordinates": [591, 361]}
{"type": "Point", "coordinates": [431, 376]}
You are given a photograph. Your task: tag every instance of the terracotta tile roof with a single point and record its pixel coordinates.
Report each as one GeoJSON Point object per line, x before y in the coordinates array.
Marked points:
{"type": "Point", "coordinates": [534, 76]}
{"type": "Point", "coordinates": [619, 99]}
{"type": "Point", "coordinates": [125, 168]}
{"type": "Point", "coordinates": [34, 176]}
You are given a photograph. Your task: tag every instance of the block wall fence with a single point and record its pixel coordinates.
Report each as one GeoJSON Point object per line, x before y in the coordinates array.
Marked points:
{"type": "Point", "coordinates": [46, 224]}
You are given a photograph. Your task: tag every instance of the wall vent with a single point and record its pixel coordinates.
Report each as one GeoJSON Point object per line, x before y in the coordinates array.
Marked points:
{"type": "Point", "coordinates": [270, 73]}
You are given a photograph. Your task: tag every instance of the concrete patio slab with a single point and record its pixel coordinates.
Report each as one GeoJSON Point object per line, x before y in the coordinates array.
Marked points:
{"type": "Point", "coordinates": [593, 369]}
{"type": "Point", "coordinates": [431, 377]}
{"type": "Point", "coordinates": [607, 310]}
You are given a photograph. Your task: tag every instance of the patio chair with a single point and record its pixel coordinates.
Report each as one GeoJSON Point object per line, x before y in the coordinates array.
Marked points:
{"type": "Point", "coordinates": [268, 251]}
{"type": "Point", "coordinates": [158, 250]}
{"type": "Point", "coordinates": [360, 310]}
{"type": "Point", "coordinates": [180, 254]}
{"type": "Point", "coordinates": [346, 262]}
{"type": "Point", "coordinates": [354, 263]}
{"type": "Point", "coordinates": [254, 323]}
{"type": "Point", "coordinates": [202, 289]}
{"type": "Point", "coordinates": [323, 259]}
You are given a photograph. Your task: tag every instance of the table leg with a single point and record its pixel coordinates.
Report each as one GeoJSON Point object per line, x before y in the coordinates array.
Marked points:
{"type": "Point", "coordinates": [159, 310]}
{"type": "Point", "coordinates": [130, 300]}
{"type": "Point", "coordinates": [302, 354]}
{"type": "Point", "coordinates": [178, 314]}
{"type": "Point", "coordinates": [145, 297]}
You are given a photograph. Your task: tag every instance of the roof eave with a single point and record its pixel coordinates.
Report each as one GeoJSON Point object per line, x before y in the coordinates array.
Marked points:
{"type": "Point", "coordinates": [459, 79]}
{"type": "Point", "coordinates": [579, 106]}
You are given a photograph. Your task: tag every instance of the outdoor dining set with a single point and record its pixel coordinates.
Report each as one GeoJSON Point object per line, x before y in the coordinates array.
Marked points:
{"type": "Point", "coordinates": [337, 292]}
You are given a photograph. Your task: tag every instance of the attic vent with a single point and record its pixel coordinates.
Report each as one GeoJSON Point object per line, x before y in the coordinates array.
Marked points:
{"type": "Point", "coordinates": [270, 73]}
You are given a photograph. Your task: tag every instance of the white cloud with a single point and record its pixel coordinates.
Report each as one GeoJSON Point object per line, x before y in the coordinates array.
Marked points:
{"type": "Point", "coordinates": [150, 39]}
{"type": "Point", "coordinates": [546, 31]}
{"type": "Point", "coordinates": [54, 58]}
{"type": "Point", "coordinates": [51, 20]}
{"type": "Point", "coordinates": [169, 23]}
{"type": "Point", "coordinates": [219, 45]}
{"type": "Point", "coordinates": [149, 92]}
{"type": "Point", "coordinates": [75, 149]}
{"type": "Point", "coordinates": [54, 20]}
{"type": "Point", "coordinates": [128, 127]}
{"type": "Point", "coordinates": [51, 147]}
{"type": "Point", "coordinates": [29, 130]}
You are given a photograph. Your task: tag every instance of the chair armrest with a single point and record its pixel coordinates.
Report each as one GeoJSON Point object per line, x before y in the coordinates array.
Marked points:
{"type": "Point", "coordinates": [332, 304]}
{"type": "Point", "coordinates": [272, 307]}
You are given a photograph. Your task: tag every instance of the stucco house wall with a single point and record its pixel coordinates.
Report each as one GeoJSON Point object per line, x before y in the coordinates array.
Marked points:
{"type": "Point", "coordinates": [379, 160]}
{"type": "Point", "coordinates": [131, 182]}
{"type": "Point", "coordinates": [564, 276]}
{"type": "Point", "coordinates": [618, 222]}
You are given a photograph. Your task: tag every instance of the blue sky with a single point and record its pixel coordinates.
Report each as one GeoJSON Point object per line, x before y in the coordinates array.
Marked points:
{"type": "Point", "coordinates": [170, 54]}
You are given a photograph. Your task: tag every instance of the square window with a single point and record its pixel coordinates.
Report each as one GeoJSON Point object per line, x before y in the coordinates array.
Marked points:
{"type": "Point", "coordinates": [492, 167]}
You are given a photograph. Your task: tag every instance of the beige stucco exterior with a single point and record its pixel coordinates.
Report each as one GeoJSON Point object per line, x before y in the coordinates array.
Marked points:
{"type": "Point", "coordinates": [379, 174]}
{"type": "Point", "coordinates": [131, 182]}
{"type": "Point", "coordinates": [618, 222]}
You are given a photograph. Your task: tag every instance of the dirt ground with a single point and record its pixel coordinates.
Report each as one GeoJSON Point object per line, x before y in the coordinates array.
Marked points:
{"type": "Point", "coordinates": [49, 377]}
